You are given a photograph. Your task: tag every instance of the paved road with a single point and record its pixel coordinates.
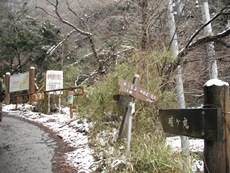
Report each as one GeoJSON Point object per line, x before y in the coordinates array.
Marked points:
{"type": "Point", "coordinates": [24, 148]}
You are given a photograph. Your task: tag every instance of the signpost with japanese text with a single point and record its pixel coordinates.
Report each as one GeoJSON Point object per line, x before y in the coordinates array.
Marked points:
{"type": "Point", "coordinates": [197, 123]}
{"type": "Point", "coordinates": [54, 81]}
{"type": "Point", "coordinates": [210, 123]}
{"type": "Point", "coordinates": [20, 82]}
{"type": "Point", "coordinates": [133, 91]}
{"type": "Point", "coordinates": [136, 91]}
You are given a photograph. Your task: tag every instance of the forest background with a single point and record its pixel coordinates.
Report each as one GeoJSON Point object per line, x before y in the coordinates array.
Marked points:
{"type": "Point", "coordinates": [95, 42]}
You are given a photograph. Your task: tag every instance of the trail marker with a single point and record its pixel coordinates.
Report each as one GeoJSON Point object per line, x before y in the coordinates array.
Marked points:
{"type": "Point", "coordinates": [133, 91]}
{"type": "Point", "coordinates": [136, 91]}
{"type": "Point", "coordinates": [211, 123]}
{"type": "Point", "coordinates": [197, 123]}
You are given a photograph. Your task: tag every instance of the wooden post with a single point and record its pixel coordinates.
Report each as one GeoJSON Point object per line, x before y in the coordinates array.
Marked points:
{"type": "Point", "coordinates": [123, 123]}
{"type": "Point", "coordinates": [217, 153]}
{"type": "Point", "coordinates": [4, 78]}
{"type": "Point", "coordinates": [70, 102]}
{"type": "Point", "coordinates": [71, 110]}
{"type": "Point", "coordinates": [128, 101]}
{"type": "Point", "coordinates": [48, 106]}
{"type": "Point", "coordinates": [7, 83]}
{"type": "Point", "coordinates": [130, 107]}
{"type": "Point", "coordinates": [31, 84]}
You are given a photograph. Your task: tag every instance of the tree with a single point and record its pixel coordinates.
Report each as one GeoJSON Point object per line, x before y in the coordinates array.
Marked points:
{"type": "Point", "coordinates": [25, 42]}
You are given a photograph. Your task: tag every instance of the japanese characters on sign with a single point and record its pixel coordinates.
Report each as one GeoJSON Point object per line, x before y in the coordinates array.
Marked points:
{"type": "Point", "coordinates": [136, 91]}
{"type": "Point", "coordinates": [198, 123]}
{"type": "Point", "coordinates": [176, 122]}
{"type": "Point", "coordinates": [54, 80]}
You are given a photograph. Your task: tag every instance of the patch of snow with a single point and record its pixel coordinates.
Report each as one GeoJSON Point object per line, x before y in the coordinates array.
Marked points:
{"type": "Point", "coordinates": [216, 82]}
{"type": "Point", "coordinates": [74, 131]}
{"type": "Point", "coordinates": [196, 146]}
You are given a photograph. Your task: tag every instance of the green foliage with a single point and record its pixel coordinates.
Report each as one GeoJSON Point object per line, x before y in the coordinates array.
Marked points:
{"type": "Point", "coordinates": [25, 43]}
{"type": "Point", "coordinates": [148, 152]}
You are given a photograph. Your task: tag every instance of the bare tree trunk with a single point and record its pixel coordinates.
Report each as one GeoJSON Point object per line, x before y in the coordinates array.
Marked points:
{"type": "Point", "coordinates": [179, 82]}
{"type": "Point", "coordinates": [19, 62]}
{"type": "Point", "coordinates": [144, 41]}
{"type": "Point", "coordinates": [212, 65]}
{"type": "Point", "coordinates": [172, 30]}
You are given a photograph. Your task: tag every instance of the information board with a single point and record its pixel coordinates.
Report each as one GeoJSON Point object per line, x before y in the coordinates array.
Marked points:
{"type": "Point", "coordinates": [19, 82]}
{"type": "Point", "coordinates": [54, 80]}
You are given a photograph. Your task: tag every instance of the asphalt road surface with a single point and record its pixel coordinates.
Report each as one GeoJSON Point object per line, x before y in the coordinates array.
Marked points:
{"type": "Point", "coordinates": [24, 147]}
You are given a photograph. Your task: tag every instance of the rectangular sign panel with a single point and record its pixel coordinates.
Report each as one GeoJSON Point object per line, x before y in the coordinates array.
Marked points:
{"type": "Point", "coordinates": [54, 80]}
{"type": "Point", "coordinates": [19, 82]}
{"type": "Point", "coordinates": [198, 123]}
{"type": "Point", "coordinates": [136, 91]}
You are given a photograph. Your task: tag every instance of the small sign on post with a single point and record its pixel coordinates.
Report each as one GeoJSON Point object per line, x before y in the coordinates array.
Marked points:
{"type": "Point", "coordinates": [54, 81]}
{"type": "Point", "coordinates": [136, 91]}
{"type": "Point", "coordinates": [70, 102]}
{"type": "Point", "coordinates": [198, 123]}
{"type": "Point", "coordinates": [210, 123]}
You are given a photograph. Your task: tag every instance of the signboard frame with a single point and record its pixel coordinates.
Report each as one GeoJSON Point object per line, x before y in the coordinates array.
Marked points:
{"type": "Point", "coordinates": [19, 82]}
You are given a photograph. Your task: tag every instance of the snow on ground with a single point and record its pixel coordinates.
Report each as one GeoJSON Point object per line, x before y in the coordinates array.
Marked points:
{"type": "Point", "coordinates": [74, 131]}
{"type": "Point", "coordinates": [196, 146]}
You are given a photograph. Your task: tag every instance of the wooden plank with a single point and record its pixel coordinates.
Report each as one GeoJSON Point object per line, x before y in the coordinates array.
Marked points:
{"type": "Point", "coordinates": [122, 99]}
{"type": "Point", "coordinates": [136, 91]}
{"type": "Point", "coordinates": [198, 123]}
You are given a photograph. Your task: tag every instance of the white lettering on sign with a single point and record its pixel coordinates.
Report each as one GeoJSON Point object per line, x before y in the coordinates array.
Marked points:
{"type": "Point", "coordinates": [185, 123]}
{"type": "Point", "coordinates": [136, 91]}
{"type": "Point", "coordinates": [177, 122]}
{"type": "Point", "coordinates": [171, 123]}
{"type": "Point", "coordinates": [130, 88]}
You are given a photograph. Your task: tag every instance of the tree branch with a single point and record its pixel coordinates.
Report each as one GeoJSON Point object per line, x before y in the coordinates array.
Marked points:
{"type": "Point", "coordinates": [200, 41]}
{"type": "Point", "coordinates": [70, 9]}
{"type": "Point", "coordinates": [203, 26]}
{"type": "Point", "coordinates": [67, 22]}
{"type": "Point", "coordinates": [54, 47]}
{"type": "Point", "coordinates": [203, 40]}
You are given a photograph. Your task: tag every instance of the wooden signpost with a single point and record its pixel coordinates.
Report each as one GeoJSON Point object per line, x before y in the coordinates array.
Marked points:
{"type": "Point", "coordinates": [133, 92]}
{"type": "Point", "coordinates": [197, 123]}
{"type": "Point", "coordinates": [210, 123]}
{"type": "Point", "coordinates": [136, 91]}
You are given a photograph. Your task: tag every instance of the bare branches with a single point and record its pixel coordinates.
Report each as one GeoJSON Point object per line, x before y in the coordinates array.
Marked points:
{"type": "Point", "coordinates": [67, 22]}
{"type": "Point", "coordinates": [53, 48]}
{"type": "Point", "coordinates": [203, 26]}
{"type": "Point", "coordinates": [86, 32]}
{"type": "Point", "coordinates": [203, 40]}
{"type": "Point", "coordinates": [46, 12]}
{"type": "Point", "coordinates": [59, 17]}
{"type": "Point", "coordinates": [198, 42]}
{"type": "Point", "coordinates": [70, 9]}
